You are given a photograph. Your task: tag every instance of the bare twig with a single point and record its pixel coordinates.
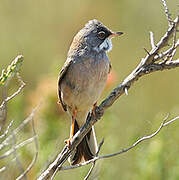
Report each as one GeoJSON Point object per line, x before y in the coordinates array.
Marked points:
{"type": "Point", "coordinates": [152, 40]}
{"type": "Point", "coordinates": [4, 79]}
{"type": "Point", "coordinates": [20, 145]}
{"type": "Point", "coordinates": [147, 65]}
{"type": "Point", "coordinates": [3, 106]}
{"type": "Point", "coordinates": [171, 121]}
{"type": "Point", "coordinates": [2, 169]}
{"type": "Point", "coordinates": [168, 51]}
{"type": "Point", "coordinates": [35, 155]}
{"type": "Point", "coordinates": [93, 165]}
{"type": "Point", "coordinates": [18, 162]}
{"type": "Point", "coordinates": [18, 129]}
{"type": "Point", "coordinates": [22, 85]}
{"type": "Point", "coordinates": [168, 15]}
{"type": "Point", "coordinates": [7, 130]}
{"type": "Point", "coordinates": [3, 110]}
{"type": "Point", "coordinates": [163, 124]}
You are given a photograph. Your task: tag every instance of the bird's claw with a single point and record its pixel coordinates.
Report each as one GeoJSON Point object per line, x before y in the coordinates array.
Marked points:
{"type": "Point", "coordinates": [68, 142]}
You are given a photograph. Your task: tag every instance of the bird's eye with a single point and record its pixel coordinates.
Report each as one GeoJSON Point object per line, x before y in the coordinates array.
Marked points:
{"type": "Point", "coordinates": [101, 35]}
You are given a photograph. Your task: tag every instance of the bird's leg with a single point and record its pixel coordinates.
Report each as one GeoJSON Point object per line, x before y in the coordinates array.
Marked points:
{"type": "Point", "coordinates": [72, 130]}
{"type": "Point", "coordinates": [94, 108]}
{"type": "Point", "coordinates": [97, 115]}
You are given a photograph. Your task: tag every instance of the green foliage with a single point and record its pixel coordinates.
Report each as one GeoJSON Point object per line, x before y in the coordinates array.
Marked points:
{"type": "Point", "coordinates": [13, 68]}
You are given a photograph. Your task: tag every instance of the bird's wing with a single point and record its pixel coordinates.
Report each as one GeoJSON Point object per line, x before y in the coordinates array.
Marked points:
{"type": "Point", "coordinates": [61, 76]}
{"type": "Point", "coordinates": [110, 67]}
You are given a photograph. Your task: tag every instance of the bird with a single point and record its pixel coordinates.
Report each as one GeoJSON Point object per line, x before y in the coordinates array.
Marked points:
{"type": "Point", "coordinates": [82, 80]}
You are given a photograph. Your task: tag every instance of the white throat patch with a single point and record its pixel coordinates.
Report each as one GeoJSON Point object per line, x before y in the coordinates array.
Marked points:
{"type": "Point", "coordinates": [105, 46]}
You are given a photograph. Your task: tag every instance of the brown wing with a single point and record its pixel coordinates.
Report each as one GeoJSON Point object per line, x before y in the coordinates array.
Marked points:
{"type": "Point", "coordinates": [110, 67]}
{"type": "Point", "coordinates": [61, 76]}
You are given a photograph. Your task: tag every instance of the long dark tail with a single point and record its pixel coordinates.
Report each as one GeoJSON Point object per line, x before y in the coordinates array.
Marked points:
{"type": "Point", "coordinates": [87, 148]}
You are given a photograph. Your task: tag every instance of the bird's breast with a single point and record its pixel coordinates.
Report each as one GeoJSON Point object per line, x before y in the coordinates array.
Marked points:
{"type": "Point", "coordinates": [85, 81]}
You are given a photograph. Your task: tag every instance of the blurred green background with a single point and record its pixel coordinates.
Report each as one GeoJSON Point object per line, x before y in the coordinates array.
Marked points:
{"type": "Point", "coordinates": [42, 30]}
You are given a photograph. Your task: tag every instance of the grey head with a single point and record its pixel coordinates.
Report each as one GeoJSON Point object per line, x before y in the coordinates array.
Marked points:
{"type": "Point", "coordinates": [94, 36]}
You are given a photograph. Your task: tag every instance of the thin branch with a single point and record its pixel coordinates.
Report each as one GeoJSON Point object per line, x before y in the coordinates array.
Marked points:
{"type": "Point", "coordinates": [165, 53]}
{"type": "Point", "coordinates": [5, 77]}
{"type": "Point", "coordinates": [35, 155]}
{"type": "Point", "coordinates": [3, 106]}
{"type": "Point", "coordinates": [171, 121]}
{"type": "Point", "coordinates": [18, 162]}
{"type": "Point", "coordinates": [163, 124]}
{"type": "Point", "coordinates": [152, 40]}
{"type": "Point", "coordinates": [93, 165]}
{"type": "Point", "coordinates": [20, 145]}
{"type": "Point", "coordinates": [146, 51]}
{"type": "Point", "coordinates": [168, 15]}
{"type": "Point", "coordinates": [7, 130]}
{"type": "Point", "coordinates": [3, 110]}
{"type": "Point", "coordinates": [2, 169]}
{"type": "Point", "coordinates": [18, 129]}
{"type": "Point", "coordinates": [22, 85]}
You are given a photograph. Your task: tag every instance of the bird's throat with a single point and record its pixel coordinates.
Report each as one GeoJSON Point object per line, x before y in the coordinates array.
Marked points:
{"type": "Point", "coordinates": [106, 45]}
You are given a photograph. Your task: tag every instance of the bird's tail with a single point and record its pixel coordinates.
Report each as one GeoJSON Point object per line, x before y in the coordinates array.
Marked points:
{"type": "Point", "coordinates": [87, 148]}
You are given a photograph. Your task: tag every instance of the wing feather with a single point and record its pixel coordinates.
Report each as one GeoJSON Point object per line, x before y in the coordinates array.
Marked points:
{"type": "Point", "coordinates": [61, 76]}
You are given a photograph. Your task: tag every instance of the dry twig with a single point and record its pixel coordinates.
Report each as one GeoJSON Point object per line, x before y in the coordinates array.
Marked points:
{"type": "Point", "coordinates": [18, 162]}
{"type": "Point", "coordinates": [168, 15]}
{"type": "Point", "coordinates": [7, 130]}
{"type": "Point", "coordinates": [20, 145]}
{"type": "Point", "coordinates": [22, 85]}
{"type": "Point", "coordinates": [2, 169]}
{"type": "Point", "coordinates": [18, 129]}
{"type": "Point", "coordinates": [5, 77]}
{"type": "Point", "coordinates": [94, 162]}
{"type": "Point", "coordinates": [35, 155]}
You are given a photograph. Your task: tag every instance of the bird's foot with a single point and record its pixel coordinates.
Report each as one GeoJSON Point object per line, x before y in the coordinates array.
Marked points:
{"type": "Point", "coordinates": [68, 142]}
{"type": "Point", "coordinates": [94, 109]}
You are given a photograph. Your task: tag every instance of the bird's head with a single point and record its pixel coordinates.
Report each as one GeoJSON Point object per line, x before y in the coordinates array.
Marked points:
{"type": "Point", "coordinates": [94, 36]}
{"type": "Point", "coordinates": [99, 36]}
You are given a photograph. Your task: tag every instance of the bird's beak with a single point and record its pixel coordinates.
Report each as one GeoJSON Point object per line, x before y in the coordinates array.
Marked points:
{"type": "Point", "coordinates": [114, 34]}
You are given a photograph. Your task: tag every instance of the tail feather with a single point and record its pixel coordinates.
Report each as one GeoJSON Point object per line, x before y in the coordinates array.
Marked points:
{"type": "Point", "coordinates": [91, 144]}
{"type": "Point", "coordinates": [87, 148]}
